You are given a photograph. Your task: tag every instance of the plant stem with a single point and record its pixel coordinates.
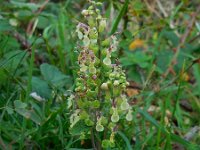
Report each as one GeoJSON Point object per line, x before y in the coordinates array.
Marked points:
{"type": "Point", "coordinates": [92, 138]}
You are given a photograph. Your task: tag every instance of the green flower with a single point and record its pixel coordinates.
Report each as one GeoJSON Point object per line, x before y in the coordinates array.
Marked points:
{"type": "Point", "coordinates": [92, 69]}
{"type": "Point", "coordinates": [104, 86]}
{"type": "Point", "coordinates": [86, 41]}
{"type": "Point", "coordinates": [129, 116]}
{"type": "Point", "coordinates": [83, 68]}
{"type": "Point", "coordinates": [99, 127]}
{"type": "Point", "coordinates": [115, 116]}
{"type": "Point", "coordinates": [107, 61]}
{"type": "Point", "coordinates": [124, 105]}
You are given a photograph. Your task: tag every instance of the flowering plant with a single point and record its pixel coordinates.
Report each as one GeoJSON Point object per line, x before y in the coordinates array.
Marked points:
{"type": "Point", "coordinates": [99, 100]}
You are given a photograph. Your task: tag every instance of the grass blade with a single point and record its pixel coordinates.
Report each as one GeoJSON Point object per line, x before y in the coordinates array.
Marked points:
{"type": "Point", "coordinates": [125, 140]}
{"type": "Point", "coordinates": [121, 13]}
{"type": "Point", "coordinates": [174, 137]}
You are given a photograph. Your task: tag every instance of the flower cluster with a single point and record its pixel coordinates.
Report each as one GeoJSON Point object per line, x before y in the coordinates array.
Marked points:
{"type": "Point", "coordinates": [99, 99]}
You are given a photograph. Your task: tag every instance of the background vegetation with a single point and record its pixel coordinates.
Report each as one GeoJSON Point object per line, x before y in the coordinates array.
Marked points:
{"type": "Point", "coordinates": [159, 49]}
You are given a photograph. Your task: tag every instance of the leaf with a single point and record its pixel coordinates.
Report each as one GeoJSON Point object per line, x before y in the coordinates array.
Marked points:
{"type": "Point", "coordinates": [9, 110]}
{"type": "Point", "coordinates": [27, 5]}
{"type": "Point", "coordinates": [138, 58]}
{"type": "Point", "coordinates": [125, 140]}
{"type": "Point", "coordinates": [20, 108]}
{"type": "Point", "coordinates": [79, 127]}
{"type": "Point", "coordinates": [196, 70]}
{"type": "Point", "coordinates": [41, 88]}
{"type": "Point", "coordinates": [172, 37]}
{"type": "Point", "coordinates": [5, 26]}
{"type": "Point", "coordinates": [53, 76]}
{"type": "Point", "coordinates": [29, 114]}
{"type": "Point", "coordinates": [116, 22]}
{"type": "Point", "coordinates": [19, 104]}
{"type": "Point", "coordinates": [163, 59]}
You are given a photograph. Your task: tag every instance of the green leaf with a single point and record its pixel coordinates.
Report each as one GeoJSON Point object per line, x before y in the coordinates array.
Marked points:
{"type": "Point", "coordinates": [138, 58]}
{"type": "Point", "coordinates": [196, 71]}
{"type": "Point", "coordinates": [163, 59]}
{"type": "Point", "coordinates": [172, 37]}
{"type": "Point", "coordinates": [27, 5]}
{"type": "Point", "coordinates": [128, 145]}
{"type": "Point", "coordinates": [53, 76]}
{"type": "Point", "coordinates": [5, 26]}
{"type": "Point", "coordinates": [41, 88]}
{"type": "Point", "coordinates": [29, 114]}
{"type": "Point", "coordinates": [79, 127]}
{"type": "Point", "coordinates": [19, 104]}
{"type": "Point", "coordinates": [116, 22]}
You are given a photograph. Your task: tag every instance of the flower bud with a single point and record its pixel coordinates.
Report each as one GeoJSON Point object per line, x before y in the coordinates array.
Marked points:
{"type": "Point", "coordinates": [104, 86]}
{"type": "Point", "coordinates": [98, 3]}
{"type": "Point", "coordinates": [112, 137]}
{"type": "Point", "coordinates": [108, 96]}
{"type": "Point", "coordinates": [84, 115]}
{"type": "Point", "coordinates": [107, 61]}
{"type": "Point", "coordinates": [124, 105]}
{"type": "Point", "coordinates": [105, 143]}
{"type": "Point", "coordinates": [102, 25]}
{"type": "Point", "coordinates": [129, 116]}
{"type": "Point", "coordinates": [80, 35]}
{"type": "Point", "coordinates": [93, 33]}
{"type": "Point", "coordinates": [96, 104]}
{"type": "Point", "coordinates": [90, 12]}
{"type": "Point", "coordinates": [86, 41]}
{"type": "Point", "coordinates": [90, 7]}
{"type": "Point", "coordinates": [92, 69]}
{"type": "Point", "coordinates": [104, 120]}
{"type": "Point", "coordinates": [94, 47]}
{"type": "Point", "coordinates": [91, 21]}
{"type": "Point", "coordinates": [89, 122]}
{"type": "Point", "coordinates": [85, 12]}
{"type": "Point", "coordinates": [83, 68]}
{"type": "Point", "coordinates": [99, 127]}
{"type": "Point", "coordinates": [106, 42]}
{"type": "Point", "coordinates": [104, 52]}
{"type": "Point", "coordinates": [116, 83]}
{"type": "Point", "coordinates": [115, 118]}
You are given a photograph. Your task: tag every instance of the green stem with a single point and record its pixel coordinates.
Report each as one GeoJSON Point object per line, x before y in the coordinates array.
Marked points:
{"type": "Point", "coordinates": [30, 73]}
